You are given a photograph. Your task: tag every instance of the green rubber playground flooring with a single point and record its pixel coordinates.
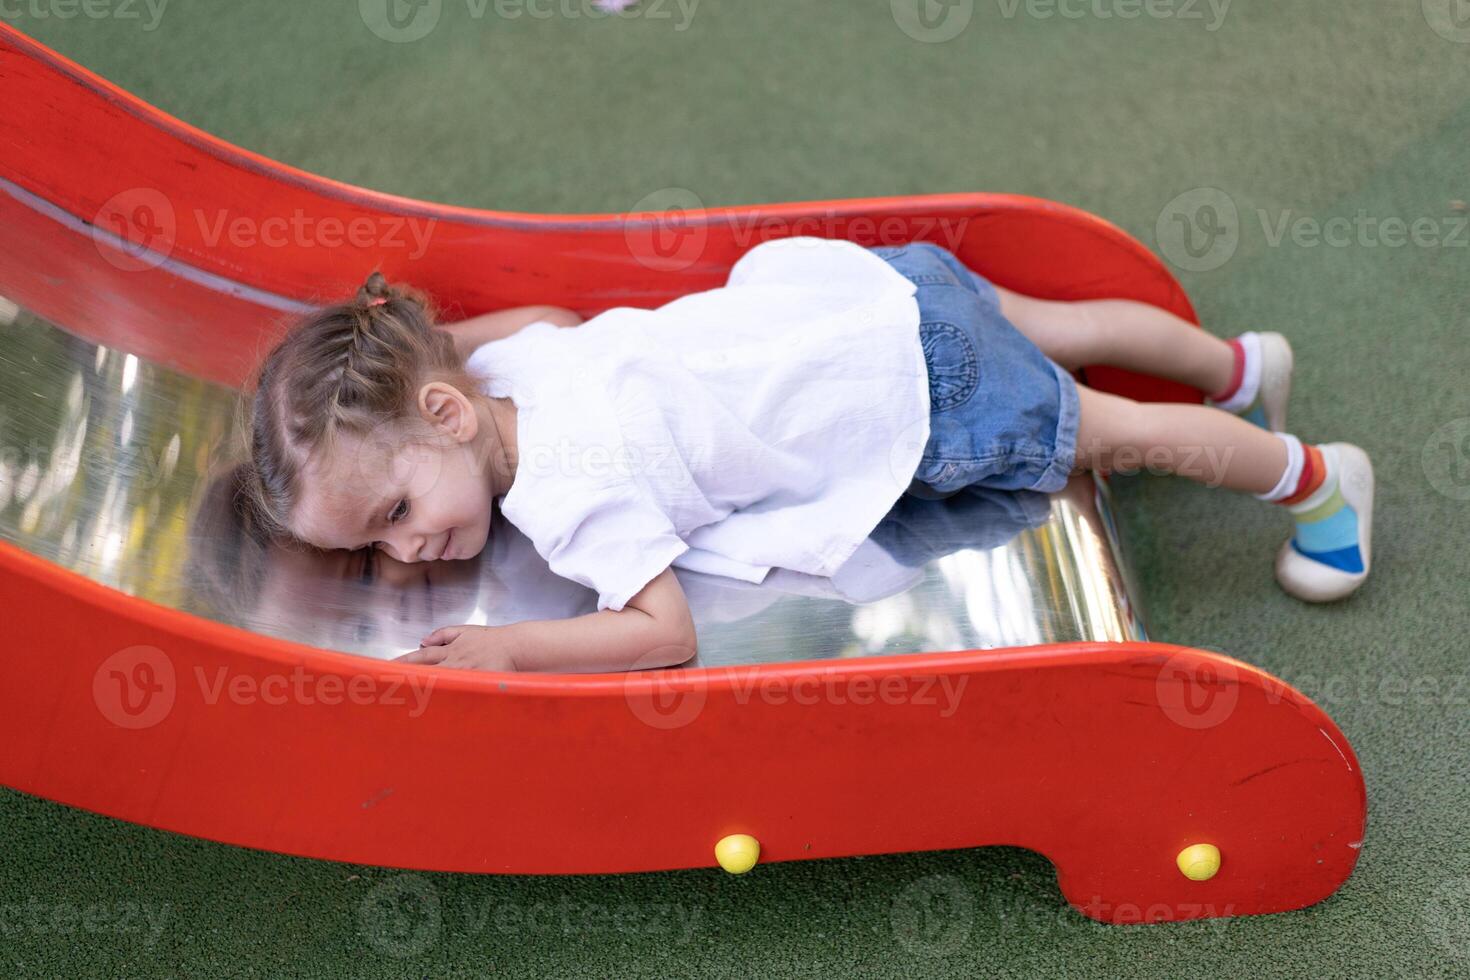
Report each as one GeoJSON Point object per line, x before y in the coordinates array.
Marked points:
{"type": "Point", "coordinates": [1296, 113]}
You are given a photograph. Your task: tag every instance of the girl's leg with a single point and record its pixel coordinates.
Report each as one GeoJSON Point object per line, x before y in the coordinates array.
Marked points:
{"type": "Point", "coordinates": [1327, 489]}
{"type": "Point", "coordinates": [1124, 334]}
{"type": "Point", "coordinates": [1205, 444]}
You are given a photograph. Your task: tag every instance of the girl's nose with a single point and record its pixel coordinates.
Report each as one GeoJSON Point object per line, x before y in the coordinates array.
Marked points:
{"type": "Point", "coordinates": [406, 547]}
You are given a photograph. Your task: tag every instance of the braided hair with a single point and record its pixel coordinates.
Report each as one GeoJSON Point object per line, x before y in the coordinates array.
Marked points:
{"type": "Point", "coordinates": [342, 369]}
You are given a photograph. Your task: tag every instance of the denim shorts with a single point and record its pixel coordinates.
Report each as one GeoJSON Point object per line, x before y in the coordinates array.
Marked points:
{"type": "Point", "coordinates": [1001, 413]}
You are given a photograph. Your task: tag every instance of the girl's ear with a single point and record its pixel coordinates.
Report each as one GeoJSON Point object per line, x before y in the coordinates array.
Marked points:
{"type": "Point", "coordinates": [447, 409]}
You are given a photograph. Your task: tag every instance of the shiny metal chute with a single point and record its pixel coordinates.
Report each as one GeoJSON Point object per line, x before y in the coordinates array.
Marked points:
{"type": "Point", "coordinates": [124, 471]}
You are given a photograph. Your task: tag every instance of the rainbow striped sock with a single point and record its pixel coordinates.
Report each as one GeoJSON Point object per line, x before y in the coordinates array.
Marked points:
{"type": "Point", "coordinates": [1326, 525]}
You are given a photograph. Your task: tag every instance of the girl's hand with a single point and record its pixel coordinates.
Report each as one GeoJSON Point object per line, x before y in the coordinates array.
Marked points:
{"type": "Point", "coordinates": [465, 648]}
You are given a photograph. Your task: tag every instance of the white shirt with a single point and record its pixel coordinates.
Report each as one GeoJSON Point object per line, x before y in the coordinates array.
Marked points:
{"type": "Point", "coordinates": [769, 423]}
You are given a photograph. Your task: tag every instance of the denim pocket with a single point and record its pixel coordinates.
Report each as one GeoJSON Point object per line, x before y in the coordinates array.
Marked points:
{"type": "Point", "coordinates": [954, 365]}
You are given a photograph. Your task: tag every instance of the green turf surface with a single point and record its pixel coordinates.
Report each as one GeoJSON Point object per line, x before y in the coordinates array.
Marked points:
{"type": "Point", "coordinates": [1295, 110]}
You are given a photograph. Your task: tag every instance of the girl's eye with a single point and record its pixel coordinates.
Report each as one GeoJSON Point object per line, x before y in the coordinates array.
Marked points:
{"type": "Point", "coordinates": [404, 505]}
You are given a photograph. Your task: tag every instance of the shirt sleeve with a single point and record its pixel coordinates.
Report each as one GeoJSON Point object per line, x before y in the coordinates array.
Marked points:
{"type": "Point", "coordinates": [610, 538]}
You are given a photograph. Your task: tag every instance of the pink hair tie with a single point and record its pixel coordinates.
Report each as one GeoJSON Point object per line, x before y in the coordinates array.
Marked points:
{"type": "Point", "coordinates": [379, 301]}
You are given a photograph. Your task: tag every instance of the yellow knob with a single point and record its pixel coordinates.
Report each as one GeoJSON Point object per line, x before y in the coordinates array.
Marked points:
{"type": "Point", "coordinates": [737, 853]}
{"type": "Point", "coordinates": [1199, 862]}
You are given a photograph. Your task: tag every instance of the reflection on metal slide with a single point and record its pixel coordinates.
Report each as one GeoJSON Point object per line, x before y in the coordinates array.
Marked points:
{"type": "Point", "coordinates": [978, 673]}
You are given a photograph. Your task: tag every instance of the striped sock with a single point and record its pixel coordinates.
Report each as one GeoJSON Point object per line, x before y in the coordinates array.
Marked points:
{"type": "Point", "coordinates": [1242, 396]}
{"type": "Point", "coordinates": [1326, 527]}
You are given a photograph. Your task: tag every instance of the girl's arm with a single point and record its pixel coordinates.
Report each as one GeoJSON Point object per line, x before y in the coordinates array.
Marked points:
{"type": "Point", "coordinates": [479, 330]}
{"type": "Point", "coordinates": [654, 629]}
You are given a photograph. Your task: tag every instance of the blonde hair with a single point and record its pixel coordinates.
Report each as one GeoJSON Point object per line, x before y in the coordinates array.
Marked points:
{"type": "Point", "coordinates": [343, 369]}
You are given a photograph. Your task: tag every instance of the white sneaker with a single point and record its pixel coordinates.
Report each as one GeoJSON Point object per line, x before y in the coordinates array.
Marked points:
{"type": "Point", "coordinates": [1276, 366]}
{"type": "Point", "coordinates": [1267, 408]}
{"type": "Point", "coordinates": [1329, 555]}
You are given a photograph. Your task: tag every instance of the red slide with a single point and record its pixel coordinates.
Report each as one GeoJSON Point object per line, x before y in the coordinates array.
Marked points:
{"type": "Point", "coordinates": [1164, 783]}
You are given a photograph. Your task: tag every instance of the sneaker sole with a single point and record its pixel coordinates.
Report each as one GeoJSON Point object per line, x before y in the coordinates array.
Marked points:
{"type": "Point", "coordinates": [1321, 583]}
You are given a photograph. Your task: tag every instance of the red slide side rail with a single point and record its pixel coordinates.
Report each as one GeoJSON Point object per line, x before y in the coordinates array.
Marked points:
{"type": "Point", "coordinates": [111, 160]}
{"type": "Point", "coordinates": [1106, 758]}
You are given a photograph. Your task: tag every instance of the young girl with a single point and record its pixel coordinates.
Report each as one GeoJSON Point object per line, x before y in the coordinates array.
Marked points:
{"type": "Point", "coordinates": [768, 423]}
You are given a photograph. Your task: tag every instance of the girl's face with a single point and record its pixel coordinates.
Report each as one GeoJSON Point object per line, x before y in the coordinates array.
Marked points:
{"type": "Point", "coordinates": [415, 501]}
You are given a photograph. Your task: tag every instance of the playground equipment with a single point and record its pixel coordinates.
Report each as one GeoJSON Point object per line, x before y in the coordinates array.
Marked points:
{"type": "Point", "coordinates": [1008, 693]}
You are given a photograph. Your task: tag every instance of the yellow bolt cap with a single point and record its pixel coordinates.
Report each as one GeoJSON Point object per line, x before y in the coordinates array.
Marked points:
{"type": "Point", "coordinates": [1199, 862]}
{"type": "Point", "coordinates": [737, 853]}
